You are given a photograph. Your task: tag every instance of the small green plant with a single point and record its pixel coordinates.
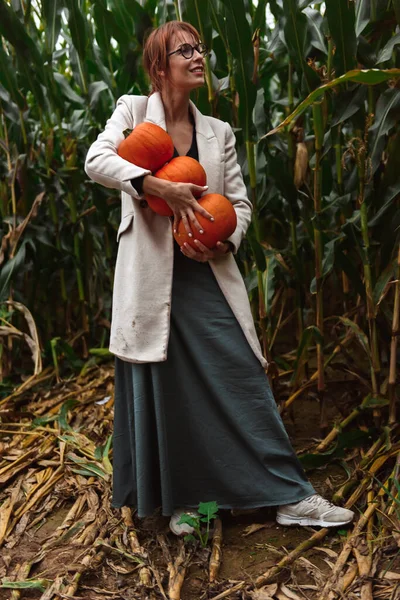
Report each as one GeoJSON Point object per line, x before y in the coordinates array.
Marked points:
{"type": "Point", "coordinates": [207, 511]}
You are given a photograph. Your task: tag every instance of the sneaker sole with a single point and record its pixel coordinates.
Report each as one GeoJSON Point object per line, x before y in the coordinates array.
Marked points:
{"type": "Point", "coordinates": [305, 521]}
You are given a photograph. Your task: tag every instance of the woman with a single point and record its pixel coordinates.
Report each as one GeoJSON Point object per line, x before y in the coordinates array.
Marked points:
{"type": "Point", "coordinates": [195, 419]}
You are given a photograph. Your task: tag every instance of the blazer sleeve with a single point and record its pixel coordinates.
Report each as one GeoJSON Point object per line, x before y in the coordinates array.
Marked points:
{"type": "Point", "coordinates": [235, 190]}
{"type": "Point", "coordinates": [103, 164]}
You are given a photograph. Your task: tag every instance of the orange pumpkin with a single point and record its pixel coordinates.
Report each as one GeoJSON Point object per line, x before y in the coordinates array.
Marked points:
{"type": "Point", "coordinates": [148, 146]}
{"type": "Point", "coordinates": [181, 169]}
{"type": "Point", "coordinates": [220, 229]}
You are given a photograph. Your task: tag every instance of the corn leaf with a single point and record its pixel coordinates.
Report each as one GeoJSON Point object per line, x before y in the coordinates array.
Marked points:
{"type": "Point", "coordinates": [239, 39]}
{"type": "Point", "coordinates": [386, 116]}
{"type": "Point", "coordinates": [360, 335]}
{"type": "Point", "coordinates": [297, 39]}
{"type": "Point", "coordinates": [28, 584]}
{"type": "Point", "coordinates": [341, 20]}
{"type": "Point", "coordinates": [51, 16]}
{"type": "Point", "coordinates": [365, 76]}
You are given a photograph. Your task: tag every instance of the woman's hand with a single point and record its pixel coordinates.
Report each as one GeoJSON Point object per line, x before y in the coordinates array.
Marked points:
{"type": "Point", "coordinates": [204, 254]}
{"type": "Point", "coordinates": [180, 199]}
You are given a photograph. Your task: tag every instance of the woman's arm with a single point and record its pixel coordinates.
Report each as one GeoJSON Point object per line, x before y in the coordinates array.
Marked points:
{"type": "Point", "coordinates": [235, 190]}
{"type": "Point", "coordinates": [103, 164]}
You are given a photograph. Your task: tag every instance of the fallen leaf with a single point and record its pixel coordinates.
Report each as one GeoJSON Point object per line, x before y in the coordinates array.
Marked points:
{"type": "Point", "coordinates": [289, 593]}
{"type": "Point", "coordinates": [327, 551]}
{"type": "Point", "coordinates": [253, 528]}
{"type": "Point", "coordinates": [265, 593]}
{"type": "Point", "coordinates": [389, 575]}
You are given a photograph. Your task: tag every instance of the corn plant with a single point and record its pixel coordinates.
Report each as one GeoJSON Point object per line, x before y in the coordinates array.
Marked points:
{"type": "Point", "coordinates": [311, 90]}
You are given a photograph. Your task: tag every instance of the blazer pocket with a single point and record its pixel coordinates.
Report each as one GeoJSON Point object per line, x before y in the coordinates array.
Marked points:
{"type": "Point", "coordinates": [124, 225]}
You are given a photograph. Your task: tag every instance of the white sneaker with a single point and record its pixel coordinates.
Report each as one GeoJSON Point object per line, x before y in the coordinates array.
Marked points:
{"type": "Point", "coordinates": [314, 511]}
{"type": "Point", "coordinates": [185, 528]}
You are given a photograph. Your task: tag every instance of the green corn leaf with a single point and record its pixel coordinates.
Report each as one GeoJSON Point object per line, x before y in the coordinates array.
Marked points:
{"type": "Point", "coordinates": [239, 39]}
{"type": "Point", "coordinates": [14, 32]}
{"type": "Point", "coordinates": [372, 401]}
{"type": "Point", "coordinates": [78, 28]}
{"type": "Point", "coordinates": [197, 12]}
{"type": "Point", "coordinates": [386, 52]}
{"type": "Point", "coordinates": [360, 335]}
{"type": "Point", "coordinates": [269, 282]}
{"type": "Point", "coordinates": [259, 19]}
{"type": "Point", "coordinates": [27, 584]}
{"type": "Point", "coordinates": [365, 76]}
{"type": "Point", "coordinates": [63, 414]}
{"type": "Point", "coordinates": [316, 29]}
{"type": "Point", "coordinates": [88, 466]}
{"type": "Point", "coordinates": [12, 267]}
{"type": "Point", "coordinates": [102, 352]}
{"type": "Point", "coordinates": [348, 103]}
{"type": "Point", "coordinates": [103, 19]}
{"type": "Point", "coordinates": [51, 16]}
{"type": "Point", "coordinates": [40, 421]}
{"type": "Point", "coordinates": [386, 116]}
{"type": "Point", "coordinates": [341, 19]}
{"type": "Point", "coordinates": [67, 90]}
{"type": "Point", "coordinates": [95, 89]}
{"type": "Point", "coordinates": [130, 17]}
{"type": "Point", "coordinates": [309, 334]}
{"type": "Point", "coordinates": [327, 262]}
{"type": "Point", "coordinates": [257, 249]}
{"type": "Point", "coordinates": [8, 78]}
{"type": "Point", "coordinates": [106, 461]}
{"type": "Point", "coordinates": [297, 39]}
{"type": "Point", "coordinates": [382, 282]}
{"type": "Point", "coordinates": [363, 11]}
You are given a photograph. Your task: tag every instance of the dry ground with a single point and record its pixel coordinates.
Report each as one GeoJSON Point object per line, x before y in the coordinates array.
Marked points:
{"type": "Point", "coordinates": [57, 525]}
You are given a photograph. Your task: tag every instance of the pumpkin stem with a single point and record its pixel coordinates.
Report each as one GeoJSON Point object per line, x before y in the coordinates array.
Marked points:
{"type": "Point", "coordinates": [127, 132]}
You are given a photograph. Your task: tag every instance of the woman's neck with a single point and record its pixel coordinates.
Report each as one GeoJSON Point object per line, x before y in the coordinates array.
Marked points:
{"type": "Point", "coordinates": [176, 107]}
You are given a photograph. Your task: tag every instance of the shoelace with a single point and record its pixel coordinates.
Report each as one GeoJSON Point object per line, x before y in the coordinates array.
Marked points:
{"type": "Point", "coordinates": [318, 500]}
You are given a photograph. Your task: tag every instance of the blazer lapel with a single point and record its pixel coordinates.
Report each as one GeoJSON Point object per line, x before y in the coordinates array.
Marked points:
{"type": "Point", "coordinates": [209, 151]}
{"type": "Point", "coordinates": [207, 143]}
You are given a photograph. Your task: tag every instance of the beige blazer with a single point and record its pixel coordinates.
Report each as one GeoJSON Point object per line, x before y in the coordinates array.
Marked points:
{"type": "Point", "coordinates": [143, 275]}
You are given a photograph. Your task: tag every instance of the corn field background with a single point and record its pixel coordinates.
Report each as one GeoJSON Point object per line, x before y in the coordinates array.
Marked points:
{"type": "Point", "coordinates": [312, 91]}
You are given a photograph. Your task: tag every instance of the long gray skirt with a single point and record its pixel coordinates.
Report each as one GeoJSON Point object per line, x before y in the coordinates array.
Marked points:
{"type": "Point", "coordinates": [202, 425]}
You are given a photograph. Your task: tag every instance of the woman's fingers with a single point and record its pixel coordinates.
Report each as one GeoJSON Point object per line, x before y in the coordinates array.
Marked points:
{"type": "Point", "coordinates": [194, 222]}
{"type": "Point", "coordinates": [188, 251]}
{"type": "Point", "coordinates": [177, 218]}
{"type": "Point", "coordinates": [207, 253]}
{"type": "Point", "coordinates": [186, 224]}
{"type": "Point", "coordinates": [197, 207]}
{"type": "Point", "coordinates": [200, 256]}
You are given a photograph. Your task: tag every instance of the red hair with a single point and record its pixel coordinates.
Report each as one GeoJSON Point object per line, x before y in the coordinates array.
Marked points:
{"type": "Point", "coordinates": [156, 48]}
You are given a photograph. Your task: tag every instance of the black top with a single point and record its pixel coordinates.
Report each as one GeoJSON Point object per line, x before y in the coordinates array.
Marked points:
{"type": "Point", "coordinates": [193, 152]}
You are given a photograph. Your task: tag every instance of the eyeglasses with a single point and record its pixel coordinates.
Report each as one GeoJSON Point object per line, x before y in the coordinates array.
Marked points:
{"type": "Point", "coordinates": [187, 50]}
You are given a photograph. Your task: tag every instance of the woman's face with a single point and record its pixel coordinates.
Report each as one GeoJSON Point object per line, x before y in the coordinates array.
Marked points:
{"type": "Point", "coordinates": [185, 73]}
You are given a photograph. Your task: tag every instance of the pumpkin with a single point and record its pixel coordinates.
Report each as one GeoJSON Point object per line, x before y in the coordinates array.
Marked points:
{"type": "Point", "coordinates": [148, 146]}
{"type": "Point", "coordinates": [181, 169]}
{"type": "Point", "coordinates": [220, 229]}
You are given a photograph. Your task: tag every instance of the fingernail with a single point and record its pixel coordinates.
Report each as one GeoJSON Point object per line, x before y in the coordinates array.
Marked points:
{"type": "Point", "coordinates": [196, 241]}
{"type": "Point", "coordinates": [174, 230]}
{"type": "Point", "coordinates": [201, 231]}
{"type": "Point", "coordinates": [190, 234]}
{"type": "Point", "coordinates": [212, 219]}
{"type": "Point", "coordinates": [205, 187]}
